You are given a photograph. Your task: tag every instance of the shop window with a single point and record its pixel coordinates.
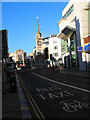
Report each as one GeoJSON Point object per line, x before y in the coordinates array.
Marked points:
{"type": "Point", "coordinates": [73, 60]}
{"type": "Point", "coordinates": [72, 45]}
{"type": "Point", "coordinates": [63, 46]}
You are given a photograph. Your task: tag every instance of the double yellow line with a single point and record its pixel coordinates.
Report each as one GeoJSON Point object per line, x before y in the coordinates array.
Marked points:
{"type": "Point", "coordinates": [37, 111]}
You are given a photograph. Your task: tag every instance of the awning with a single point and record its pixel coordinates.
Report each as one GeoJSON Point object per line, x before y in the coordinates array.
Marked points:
{"type": "Point", "coordinates": [66, 32]}
{"type": "Point", "coordinates": [62, 36]}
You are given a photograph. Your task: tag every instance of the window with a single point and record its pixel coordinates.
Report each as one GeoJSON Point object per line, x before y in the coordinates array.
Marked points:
{"type": "Point", "coordinates": [47, 43]}
{"type": "Point", "coordinates": [55, 47]}
{"type": "Point", "coordinates": [69, 12]}
{"type": "Point", "coordinates": [72, 42]}
{"type": "Point", "coordinates": [39, 42]}
{"type": "Point", "coordinates": [55, 54]}
{"type": "Point", "coordinates": [19, 57]}
{"type": "Point", "coordinates": [64, 46]}
{"type": "Point", "coordinates": [55, 41]}
{"type": "Point", "coordinates": [72, 45]}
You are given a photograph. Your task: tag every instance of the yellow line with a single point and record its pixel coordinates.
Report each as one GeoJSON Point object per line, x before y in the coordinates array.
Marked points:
{"type": "Point", "coordinates": [33, 101]}
{"type": "Point", "coordinates": [32, 105]}
{"type": "Point", "coordinates": [29, 99]}
{"type": "Point", "coordinates": [36, 105]}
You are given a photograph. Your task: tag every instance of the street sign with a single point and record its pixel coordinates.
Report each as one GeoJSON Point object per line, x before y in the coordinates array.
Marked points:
{"type": "Point", "coordinates": [80, 48]}
{"type": "Point", "coordinates": [87, 47]}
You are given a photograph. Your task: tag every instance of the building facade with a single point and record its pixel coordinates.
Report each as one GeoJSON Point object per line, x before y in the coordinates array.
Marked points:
{"type": "Point", "coordinates": [31, 57]}
{"type": "Point", "coordinates": [4, 58]}
{"type": "Point", "coordinates": [75, 34]}
{"type": "Point", "coordinates": [46, 47]}
{"type": "Point", "coordinates": [38, 39]}
{"type": "Point", "coordinates": [18, 56]}
{"type": "Point", "coordinates": [54, 47]}
{"type": "Point", "coordinates": [34, 53]}
{"type": "Point", "coordinates": [38, 55]}
{"type": "Point", "coordinates": [4, 43]}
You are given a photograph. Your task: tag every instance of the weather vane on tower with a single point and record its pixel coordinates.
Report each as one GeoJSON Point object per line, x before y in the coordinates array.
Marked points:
{"type": "Point", "coordinates": [38, 23]}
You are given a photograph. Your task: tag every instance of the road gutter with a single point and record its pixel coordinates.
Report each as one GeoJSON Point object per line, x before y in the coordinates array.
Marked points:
{"type": "Point", "coordinates": [23, 105]}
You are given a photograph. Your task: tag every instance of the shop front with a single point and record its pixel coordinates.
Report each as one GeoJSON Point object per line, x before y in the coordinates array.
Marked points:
{"type": "Point", "coordinates": [69, 47]}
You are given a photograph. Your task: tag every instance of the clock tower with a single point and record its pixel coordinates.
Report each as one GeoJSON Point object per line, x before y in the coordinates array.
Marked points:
{"type": "Point", "coordinates": [39, 48]}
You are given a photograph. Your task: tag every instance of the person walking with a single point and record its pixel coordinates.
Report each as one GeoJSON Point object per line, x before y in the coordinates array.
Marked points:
{"type": "Point", "coordinates": [53, 66]}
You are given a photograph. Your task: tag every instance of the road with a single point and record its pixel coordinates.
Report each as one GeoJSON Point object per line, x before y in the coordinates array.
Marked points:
{"type": "Point", "coordinates": [52, 94]}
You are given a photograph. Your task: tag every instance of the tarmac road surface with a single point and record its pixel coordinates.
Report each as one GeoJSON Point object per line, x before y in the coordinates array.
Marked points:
{"type": "Point", "coordinates": [50, 94]}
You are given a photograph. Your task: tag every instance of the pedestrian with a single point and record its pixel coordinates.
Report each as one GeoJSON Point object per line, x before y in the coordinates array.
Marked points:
{"type": "Point", "coordinates": [53, 65]}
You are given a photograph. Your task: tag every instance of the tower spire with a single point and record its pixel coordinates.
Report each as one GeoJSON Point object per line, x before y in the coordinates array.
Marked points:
{"type": "Point", "coordinates": [38, 23]}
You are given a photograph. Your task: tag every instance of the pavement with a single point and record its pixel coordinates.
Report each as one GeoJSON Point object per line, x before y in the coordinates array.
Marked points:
{"type": "Point", "coordinates": [10, 103]}
{"type": "Point", "coordinates": [13, 102]}
{"type": "Point", "coordinates": [72, 71]}
{"type": "Point", "coordinates": [14, 105]}
{"type": "Point", "coordinates": [75, 72]}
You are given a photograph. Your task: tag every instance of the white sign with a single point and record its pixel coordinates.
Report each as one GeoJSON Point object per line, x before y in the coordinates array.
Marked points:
{"type": "Point", "coordinates": [80, 48]}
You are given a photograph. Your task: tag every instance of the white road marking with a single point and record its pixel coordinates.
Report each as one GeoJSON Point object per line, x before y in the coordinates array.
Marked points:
{"type": "Point", "coordinates": [68, 93]}
{"type": "Point", "coordinates": [60, 93]}
{"type": "Point", "coordinates": [42, 97]}
{"type": "Point", "coordinates": [51, 95]}
{"type": "Point", "coordinates": [74, 105]}
{"type": "Point", "coordinates": [38, 90]}
{"type": "Point", "coordinates": [47, 89]}
{"type": "Point", "coordinates": [81, 89]}
{"type": "Point", "coordinates": [63, 93]}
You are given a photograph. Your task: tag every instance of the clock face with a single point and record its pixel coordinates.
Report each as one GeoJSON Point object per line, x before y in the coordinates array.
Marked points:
{"type": "Point", "coordinates": [39, 42]}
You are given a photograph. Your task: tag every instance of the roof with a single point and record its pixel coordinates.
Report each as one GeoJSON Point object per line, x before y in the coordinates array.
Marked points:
{"type": "Point", "coordinates": [61, 20]}
{"type": "Point", "coordinates": [38, 33]}
{"type": "Point", "coordinates": [53, 35]}
{"type": "Point", "coordinates": [46, 38]}
{"type": "Point", "coordinates": [30, 54]}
